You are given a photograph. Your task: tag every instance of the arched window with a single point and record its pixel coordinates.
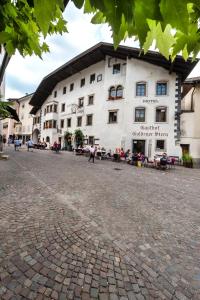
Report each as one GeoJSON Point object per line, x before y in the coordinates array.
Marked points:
{"type": "Point", "coordinates": [112, 92]}
{"type": "Point", "coordinates": [119, 91]}
{"type": "Point", "coordinates": [47, 139]}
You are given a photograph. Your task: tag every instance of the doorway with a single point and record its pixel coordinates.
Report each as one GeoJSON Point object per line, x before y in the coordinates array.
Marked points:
{"type": "Point", "coordinates": [139, 146]}
{"type": "Point", "coordinates": [185, 149]}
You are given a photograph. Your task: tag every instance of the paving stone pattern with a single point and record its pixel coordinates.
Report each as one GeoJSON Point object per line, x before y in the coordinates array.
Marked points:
{"type": "Point", "coordinates": [70, 229]}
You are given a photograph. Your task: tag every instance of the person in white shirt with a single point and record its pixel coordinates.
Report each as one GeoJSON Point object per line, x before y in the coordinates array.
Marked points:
{"type": "Point", "coordinates": [29, 145]}
{"type": "Point", "coordinates": [92, 153]}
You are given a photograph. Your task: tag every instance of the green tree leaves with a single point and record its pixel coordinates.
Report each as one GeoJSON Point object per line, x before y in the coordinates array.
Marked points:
{"type": "Point", "coordinates": [173, 26]}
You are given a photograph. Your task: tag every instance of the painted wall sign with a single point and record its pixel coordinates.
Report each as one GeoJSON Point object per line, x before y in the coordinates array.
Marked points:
{"type": "Point", "coordinates": [149, 131]}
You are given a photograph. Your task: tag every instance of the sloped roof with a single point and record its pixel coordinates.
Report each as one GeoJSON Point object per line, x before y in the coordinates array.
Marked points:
{"type": "Point", "coordinates": [98, 53]}
{"type": "Point", "coordinates": [192, 80]}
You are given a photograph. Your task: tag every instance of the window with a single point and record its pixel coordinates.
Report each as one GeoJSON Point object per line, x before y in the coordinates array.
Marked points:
{"type": "Point", "coordinates": [89, 120]}
{"type": "Point", "coordinates": [91, 140]}
{"type": "Point", "coordinates": [119, 92]}
{"type": "Point", "coordinates": [62, 107]}
{"type": "Point", "coordinates": [141, 89]}
{"type": "Point", "coordinates": [55, 94]}
{"type": "Point", "coordinates": [140, 114]}
{"type": "Point", "coordinates": [112, 92]}
{"type": "Point", "coordinates": [92, 78]}
{"type": "Point", "coordinates": [80, 102]}
{"type": "Point", "coordinates": [51, 108]}
{"type": "Point", "coordinates": [112, 118]}
{"type": "Point", "coordinates": [116, 68]}
{"type": "Point", "coordinates": [69, 122]}
{"type": "Point", "coordinates": [47, 109]}
{"type": "Point", "coordinates": [82, 82]}
{"type": "Point", "coordinates": [71, 87]}
{"type": "Point", "coordinates": [79, 121]}
{"type": "Point", "coordinates": [160, 145]}
{"type": "Point", "coordinates": [50, 123]}
{"type": "Point", "coordinates": [161, 114]}
{"type": "Point", "coordinates": [64, 90]}
{"type": "Point", "coordinates": [55, 108]}
{"type": "Point", "coordinates": [161, 88]}
{"type": "Point", "coordinates": [61, 123]}
{"type": "Point", "coordinates": [54, 123]}
{"type": "Point", "coordinates": [90, 99]}
{"type": "Point", "coordinates": [23, 105]}
{"type": "Point", "coordinates": [47, 139]}
{"type": "Point", "coordinates": [99, 77]}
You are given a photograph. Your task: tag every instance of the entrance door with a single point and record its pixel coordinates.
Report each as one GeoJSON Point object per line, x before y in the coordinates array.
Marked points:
{"type": "Point", "coordinates": [139, 146]}
{"type": "Point", "coordinates": [185, 149]}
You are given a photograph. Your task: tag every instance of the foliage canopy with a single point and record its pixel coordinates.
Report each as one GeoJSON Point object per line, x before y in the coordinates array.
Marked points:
{"type": "Point", "coordinates": [172, 26]}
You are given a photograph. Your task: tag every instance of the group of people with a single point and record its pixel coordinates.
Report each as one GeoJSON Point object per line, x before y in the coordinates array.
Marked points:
{"type": "Point", "coordinates": [18, 144]}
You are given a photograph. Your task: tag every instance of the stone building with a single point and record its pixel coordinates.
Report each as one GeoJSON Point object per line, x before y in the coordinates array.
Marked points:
{"type": "Point", "coordinates": [117, 98]}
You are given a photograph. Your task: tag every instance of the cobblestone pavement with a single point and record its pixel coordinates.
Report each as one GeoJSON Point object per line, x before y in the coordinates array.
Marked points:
{"type": "Point", "coordinates": [70, 229]}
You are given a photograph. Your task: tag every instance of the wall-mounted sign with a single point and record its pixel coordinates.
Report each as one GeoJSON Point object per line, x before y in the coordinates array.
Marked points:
{"type": "Point", "coordinates": [150, 101]}
{"type": "Point", "coordinates": [149, 131]}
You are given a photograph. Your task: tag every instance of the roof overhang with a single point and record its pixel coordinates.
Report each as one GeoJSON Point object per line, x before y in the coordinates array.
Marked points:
{"type": "Point", "coordinates": [96, 54]}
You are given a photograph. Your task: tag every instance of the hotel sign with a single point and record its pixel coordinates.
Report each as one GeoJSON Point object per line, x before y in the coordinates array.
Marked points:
{"type": "Point", "coordinates": [150, 101]}
{"type": "Point", "coordinates": [149, 131]}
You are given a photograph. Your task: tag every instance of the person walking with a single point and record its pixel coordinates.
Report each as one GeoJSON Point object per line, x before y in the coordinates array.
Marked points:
{"type": "Point", "coordinates": [92, 153]}
{"type": "Point", "coordinates": [16, 144]}
{"type": "Point", "coordinates": [30, 145]}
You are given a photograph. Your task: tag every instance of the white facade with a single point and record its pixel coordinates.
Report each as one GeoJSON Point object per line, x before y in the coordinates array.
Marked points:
{"type": "Point", "coordinates": [190, 120]}
{"type": "Point", "coordinates": [126, 132]}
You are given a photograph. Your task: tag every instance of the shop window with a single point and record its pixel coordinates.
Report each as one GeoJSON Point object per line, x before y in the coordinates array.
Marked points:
{"type": "Point", "coordinates": [161, 88]}
{"type": "Point", "coordinates": [79, 121]}
{"type": "Point", "coordinates": [140, 89]}
{"type": "Point", "coordinates": [160, 145]}
{"type": "Point", "coordinates": [71, 87]}
{"type": "Point", "coordinates": [161, 114]}
{"type": "Point", "coordinates": [62, 107]}
{"type": "Point", "coordinates": [89, 120]}
{"type": "Point", "coordinates": [116, 68]}
{"type": "Point", "coordinates": [69, 121]}
{"type": "Point", "coordinates": [92, 78]}
{"type": "Point", "coordinates": [140, 114]}
{"type": "Point", "coordinates": [90, 99]}
{"type": "Point", "coordinates": [80, 102]}
{"type": "Point", "coordinates": [82, 82]}
{"type": "Point", "coordinates": [119, 92]}
{"type": "Point", "coordinates": [112, 117]}
{"type": "Point", "coordinates": [55, 94]}
{"type": "Point", "coordinates": [64, 90]}
{"type": "Point", "coordinates": [62, 123]}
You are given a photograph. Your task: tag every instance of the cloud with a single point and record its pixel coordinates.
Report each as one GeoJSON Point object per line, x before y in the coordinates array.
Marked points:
{"type": "Point", "coordinates": [25, 74]}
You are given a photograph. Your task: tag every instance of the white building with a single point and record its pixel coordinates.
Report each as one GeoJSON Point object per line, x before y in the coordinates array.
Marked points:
{"type": "Point", "coordinates": [117, 98]}
{"type": "Point", "coordinates": [190, 119]}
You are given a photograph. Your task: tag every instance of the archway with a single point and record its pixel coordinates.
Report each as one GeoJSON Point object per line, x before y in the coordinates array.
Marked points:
{"type": "Point", "coordinates": [36, 133]}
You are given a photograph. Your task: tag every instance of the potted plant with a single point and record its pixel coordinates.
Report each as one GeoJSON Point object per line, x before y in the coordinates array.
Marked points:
{"type": "Point", "coordinates": [187, 161]}
{"type": "Point", "coordinates": [79, 137]}
{"type": "Point", "coordinates": [68, 141]}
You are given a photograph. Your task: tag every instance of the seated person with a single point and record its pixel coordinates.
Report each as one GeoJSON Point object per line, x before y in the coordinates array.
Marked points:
{"type": "Point", "coordinates": [163, 160]}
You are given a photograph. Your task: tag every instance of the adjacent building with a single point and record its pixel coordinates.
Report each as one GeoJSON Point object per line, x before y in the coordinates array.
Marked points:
{"type": "Point", "coordinates": [118, 98]}
{"type": "Point", "coordinates": [190, 119]}
{"type": "Point", "coordinates": [23, 128]}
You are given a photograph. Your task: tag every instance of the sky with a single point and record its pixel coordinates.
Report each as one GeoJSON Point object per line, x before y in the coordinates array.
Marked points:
{"type": "Point", "coordinates": [23, 75]}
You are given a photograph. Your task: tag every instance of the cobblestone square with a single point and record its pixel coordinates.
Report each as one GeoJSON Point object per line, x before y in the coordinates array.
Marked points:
{"type": "Point", "coordinates": [70, 229]}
